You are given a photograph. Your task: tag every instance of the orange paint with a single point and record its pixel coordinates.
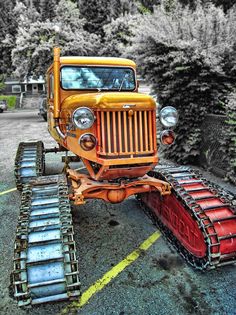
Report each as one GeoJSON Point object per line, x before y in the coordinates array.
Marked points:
{"type": "Point", "coordinates": [124, 126]}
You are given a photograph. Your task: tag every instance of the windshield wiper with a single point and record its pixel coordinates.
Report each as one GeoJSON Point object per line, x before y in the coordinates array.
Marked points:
{"type": "Point", "coordinates": [122, 82]}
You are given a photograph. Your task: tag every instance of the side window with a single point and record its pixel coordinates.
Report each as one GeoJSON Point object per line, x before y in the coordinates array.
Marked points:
{"type": "Point", "coordinates": [16, 89]}
{"type": "Point", "coordinates": [51, 86]}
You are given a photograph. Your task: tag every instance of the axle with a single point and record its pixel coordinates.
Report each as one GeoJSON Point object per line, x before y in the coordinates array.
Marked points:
{"type": "Point", "coordinates": [87, 188]}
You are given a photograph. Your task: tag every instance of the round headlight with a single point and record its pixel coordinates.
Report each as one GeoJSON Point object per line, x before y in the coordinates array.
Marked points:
{"type": "Point", "coordinates": [87, 141]}
{"type": "Point", "coordinates": [83, 118]}
{"type": "Point", "coordinates": [169, 116]}
{"type": "Point", "coordinates": [167, 137]}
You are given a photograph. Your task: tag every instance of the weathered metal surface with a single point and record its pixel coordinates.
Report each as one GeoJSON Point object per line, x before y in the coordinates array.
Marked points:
{"type": "Point", "coordinates": [198, 218]}
{"type": "Point", "coordinates": [29, 162]}
{"type": "Point", "coordinates": [86, 188]}
{"type": "Point", "coordinates": [45, 265]}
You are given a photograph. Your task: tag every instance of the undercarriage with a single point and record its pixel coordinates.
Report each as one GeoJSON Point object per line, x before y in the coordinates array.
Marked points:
{"type": "Point", "coordinates": [198, 218]}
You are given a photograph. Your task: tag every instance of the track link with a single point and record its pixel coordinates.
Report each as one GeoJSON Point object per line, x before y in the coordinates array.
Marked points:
{"type": "Point", "coordinates": [198, 218]}
{"type": "Point", "coordinates": [45, 265]}
{"type": "Point", "coordinates": [29, 162]}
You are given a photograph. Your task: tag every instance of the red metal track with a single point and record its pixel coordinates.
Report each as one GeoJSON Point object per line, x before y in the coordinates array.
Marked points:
{"type": "Point", "coordinates": [198, 216]}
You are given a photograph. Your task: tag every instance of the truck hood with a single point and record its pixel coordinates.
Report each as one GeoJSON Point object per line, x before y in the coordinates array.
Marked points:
{"type": "Point", "coordinates": [109, 100]}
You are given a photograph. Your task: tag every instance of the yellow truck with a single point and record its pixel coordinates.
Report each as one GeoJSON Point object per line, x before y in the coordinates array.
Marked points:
{"type": "Point", "coordinates": [95, 111]}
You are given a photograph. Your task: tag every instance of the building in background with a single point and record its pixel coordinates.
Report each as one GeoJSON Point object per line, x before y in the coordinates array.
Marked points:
{"type": "Point", "coordinates": [28, 92]}
{"type": "Point", "coordinates": [31, 86]}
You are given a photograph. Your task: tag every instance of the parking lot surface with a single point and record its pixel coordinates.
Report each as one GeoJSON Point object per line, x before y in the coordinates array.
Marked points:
{"type": "Point", "coordinates": [158, 281]}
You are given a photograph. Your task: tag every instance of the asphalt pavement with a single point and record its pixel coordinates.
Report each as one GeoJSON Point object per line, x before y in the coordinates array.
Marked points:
{"type": "Point", "coordinates": [158, 281]}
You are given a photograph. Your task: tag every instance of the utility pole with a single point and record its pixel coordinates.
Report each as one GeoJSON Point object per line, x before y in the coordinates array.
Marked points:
{"type": "Point", "coordinates": [57, 29]}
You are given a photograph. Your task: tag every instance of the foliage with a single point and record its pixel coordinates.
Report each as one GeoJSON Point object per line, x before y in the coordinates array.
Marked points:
{"type": "Point", "coordinates": [228, 145]}
{"type": "Point", "coordinates": [224, 4]}
{"type": "Point", "coordinates": [98, 13]}
{"type": "Point", "coordinates": [182, 53]}
{"type": "Point", "coordinates": [47, 9]}
{"type": "Point", "coordinates": [125, 16]}
{"type": "Point", "coordinates": [148, 5]}
{"type": "Point", "coordinates": [185, 48]}
{"type": "Point", "coordinates": [2, 84]}
{"type": "Point", "coordinates": [123, 7]}
{"type": "Point", "coordinates": [11, 100]}
{"type": "Point", "coordinates": [7, 34]}
{"type": "Point", "coordinates": [118, 35]}
{"type": "Point", "coordinates": [35, 38]}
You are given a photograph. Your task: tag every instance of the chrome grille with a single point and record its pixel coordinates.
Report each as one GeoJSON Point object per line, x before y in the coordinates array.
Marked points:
{"type": "Point", "coordinates": [126, 133]}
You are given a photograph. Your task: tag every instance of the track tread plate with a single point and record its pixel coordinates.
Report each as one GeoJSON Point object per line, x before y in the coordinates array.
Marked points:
{"type": "Point", "coordinates": [212, 220]}
{"type": "Point", "coordinates": [45, 267]}
{"type": "Point", "coordinates": [29, 162]}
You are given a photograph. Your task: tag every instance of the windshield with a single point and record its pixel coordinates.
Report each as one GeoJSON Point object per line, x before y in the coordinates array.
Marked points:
{"type": "Point", "coordinates": [98, 78]}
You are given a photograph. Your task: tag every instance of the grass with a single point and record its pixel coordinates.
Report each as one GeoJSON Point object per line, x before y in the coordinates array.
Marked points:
{"type": "Point", "coordinates": [11, 100]}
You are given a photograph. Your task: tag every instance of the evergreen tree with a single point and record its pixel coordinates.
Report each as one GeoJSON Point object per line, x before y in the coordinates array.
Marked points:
{"type": "Point", "coordinates": [119, 8]}
{"type": "Point", "coordinates": [225, 4]}
{"type": "Point", "coordinates": [149, 4]}
{"type": "Point", "coordinates": [7, 35]}
{"type": "Point", "coordinates": [118, 35]}
{"type": "Point", "coordinates": [98, 13]}
{"type": "Point", "coordinates": [47, 9]}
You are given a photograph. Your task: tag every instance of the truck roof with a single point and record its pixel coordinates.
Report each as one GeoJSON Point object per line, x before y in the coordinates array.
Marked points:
{"type": "Point", "coordinates": [98, 61]}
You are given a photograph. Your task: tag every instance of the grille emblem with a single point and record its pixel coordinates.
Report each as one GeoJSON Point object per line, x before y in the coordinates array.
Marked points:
{"type": "Point", "coordinates": [129, 105]}
{"type": "Point", "coordinates": [131, 112]}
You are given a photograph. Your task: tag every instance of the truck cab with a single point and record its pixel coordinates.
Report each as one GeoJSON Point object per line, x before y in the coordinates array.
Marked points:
{"type": "Point", "coordinates": [95, 111]}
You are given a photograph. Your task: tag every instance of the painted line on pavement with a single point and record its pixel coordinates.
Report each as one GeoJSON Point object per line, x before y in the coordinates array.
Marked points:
{"type": "Point", "coordinates": [7, 191]}
{"type": "Point", "coordinates": [13, 189]}
{"type": "Point", "coordinates": [111, 274]}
